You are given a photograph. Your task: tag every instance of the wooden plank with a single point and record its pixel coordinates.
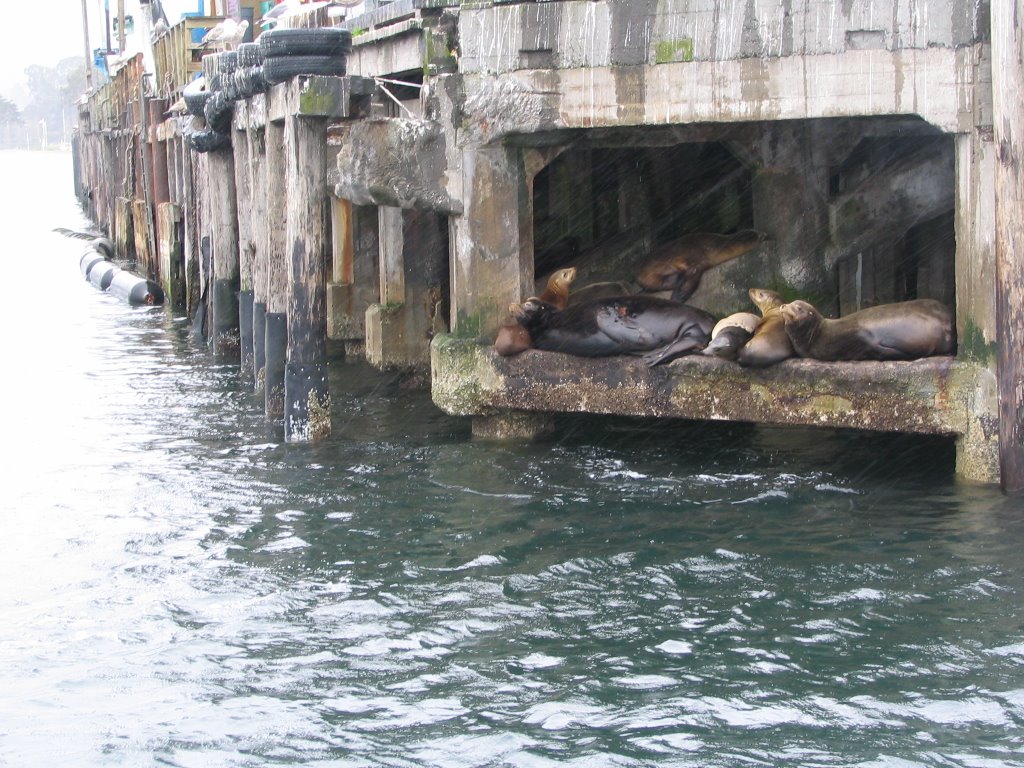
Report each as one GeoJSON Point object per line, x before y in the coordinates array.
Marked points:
{"type": "Point", "coordinates": [1008, 126]}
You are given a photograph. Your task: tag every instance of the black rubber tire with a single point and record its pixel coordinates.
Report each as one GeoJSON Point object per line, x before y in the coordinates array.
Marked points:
{"type": "Point", "coordinates": [305, 42]}
{"type": "Point", "coordinates": [229, 87]}
{"type": "Point", "coordinates": [196, 102]}
{"type": "Point", "coordinates": [249, 55]}
{"type": "Point", "coordinates": [228, 62]}
{"type": "Point", "coordinates": [281, 68]}
{"type": "Point", "coordinates": [206, 141]}
{"type": "Point", "coordinates": [249, 81]}
{"type": "Point", "coordinates": [218, 112]}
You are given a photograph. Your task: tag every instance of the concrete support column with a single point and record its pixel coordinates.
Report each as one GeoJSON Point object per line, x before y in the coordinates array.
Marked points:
{"type": "Point", "coordinates": [355, 283]}
{"type": "Point", "coordinates": [492, 262]}
{"type": "Point", "coordinates": [413, 288]}
{"type": "Point", "coordinates": [1008, 133]}
{"type": "Point", "coordinates": [790, 199]}
{"type": "Point", "coordinates": [977, 447]}
{"type": "Point", "coordinates": [276, 320]}
{"type": "Point", "coordinates": [246, 247]}
{"type": "Point", "coordinates": [514, 425]}
{"type": "Point", "coordinates": [307, 407]}
{"type": "Point", "coordinates": [224, 234]}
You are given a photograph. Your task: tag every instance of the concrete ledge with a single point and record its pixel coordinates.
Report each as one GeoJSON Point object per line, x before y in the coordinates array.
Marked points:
{"type": "Point", "coordinates": [933, 396]}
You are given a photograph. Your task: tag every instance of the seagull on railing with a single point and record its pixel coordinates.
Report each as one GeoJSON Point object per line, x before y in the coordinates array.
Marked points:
{"type": "Point", "coordinates": [226, 35]}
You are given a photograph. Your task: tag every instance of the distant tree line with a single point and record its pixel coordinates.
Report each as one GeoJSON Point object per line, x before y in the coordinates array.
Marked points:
{"type": "Point", "coordinates": [50, 114]}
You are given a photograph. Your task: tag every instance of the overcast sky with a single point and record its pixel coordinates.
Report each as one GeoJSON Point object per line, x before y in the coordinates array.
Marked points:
{"type": "Point", "coordinates": [46, 31]}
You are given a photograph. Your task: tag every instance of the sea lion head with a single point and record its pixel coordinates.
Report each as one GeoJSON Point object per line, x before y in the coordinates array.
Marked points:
{"type": "Point", "coordinates": [535, 312]}
{"type": "Point", "coordinates": [564, 277]}
{"type": "Point", "coordinates": [765, 299]}
{"type": "Point", "coordinates": [798, 314]}
{"type": "Point", "coordinates": [557, 291]}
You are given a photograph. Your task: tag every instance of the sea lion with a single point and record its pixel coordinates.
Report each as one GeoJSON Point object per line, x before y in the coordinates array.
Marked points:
{"type": "Point", "coordinates": [730, 334]}
{"type": "Point", "coordinates": [905, 330]}
{"type": "Point", "coordinates": [512, 337]}
{"type": "Point", "coordinates": [604, 290]}
{"type": "Point", "coordinates": [657, 329]}
{"type": "Point", "coordinates": [557, 291]}
{"type": "Point", "coordinates": [769, 344]}
{"type": "Point", "coordinates": [678, 265]}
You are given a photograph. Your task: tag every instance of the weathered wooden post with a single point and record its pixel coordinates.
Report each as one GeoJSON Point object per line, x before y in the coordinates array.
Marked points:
{"type": "Point", "coordinates": [275, 318]}
{"type": "Point", "coordinates": [305, 105]}
{"type": "Point", "coordinates": [307, 414]}
{"type": "Point", "coordinates": [246, 247]}
{"type": "Point", "coordinates": [1008, 128]}
{"type": "Point", "coordinates": [261, 236]}
{"type": "Point", "coordinates": [223, 229]}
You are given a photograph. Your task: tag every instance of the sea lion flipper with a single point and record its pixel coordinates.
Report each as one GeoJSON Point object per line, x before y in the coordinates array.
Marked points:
{"type": "Point", "coordinates": [681, 346]}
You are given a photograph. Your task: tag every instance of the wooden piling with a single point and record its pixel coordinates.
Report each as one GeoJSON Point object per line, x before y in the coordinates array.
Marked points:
{"type": "Point", "coordinates": [1008, 128]}
{"type": "Point", "coordinates": [246, 247]}
{"type": "Point", "coordinates": [307, 398]}
{"type": "Point", "coordinates": [275, 319]}
{"type": "Point", "coordinates": [223, 229]}
{"type": "Point", "coordinates": [258, 166]}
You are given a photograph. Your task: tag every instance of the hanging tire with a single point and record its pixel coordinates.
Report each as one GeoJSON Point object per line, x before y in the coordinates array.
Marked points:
{"type": "Point", "coordinates": [195, 103]}
{"type": "Point", "coordinates": [218, 112]}
{"type": "Point", "coordinates": [249, 81]}
{"type": "Point", "coordinates": [281, 68]}
{"type": "Point", "coordinates": [249, 55]}
{"type": "Point", "coordinates": [228, 62]}
{"type": "Point", "coordinates": [305, 42]}
{"type": "Point", "coordinates": [207, 141]}
{"type": "Point", "coordinates": [229, 87]}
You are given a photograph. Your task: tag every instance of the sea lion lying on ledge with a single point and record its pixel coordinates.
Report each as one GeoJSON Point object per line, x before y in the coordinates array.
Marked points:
{"type": "Point", "coordinates": [512, 337]}
{"type": "Point", "coordinates": [657, 329]}
{"type": "Point", "coordinates": [678, 265]}
{"type": "Point", "coordinates": [770, 343]}
{"type": "Point", "coordinates": [730, 334]}
{"type": "Point", "coordinates": [902, 331]}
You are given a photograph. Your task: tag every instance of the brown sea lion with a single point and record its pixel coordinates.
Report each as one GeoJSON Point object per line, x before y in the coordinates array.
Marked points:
{"type": "Point", "coordinates": [557, 290]}
{"type": "Point", "coordinates": [678, 265]}
{"type": "Point", "coordinates": [905, 330]}
{"type": "Point", "coordinates": [730, 334]}
{"type": "Point", "coordinates": [656, 329]}
{"type": "Point", "coordinates": [770, 344]}
{"type": "Point", "coordinates": [512, 337]}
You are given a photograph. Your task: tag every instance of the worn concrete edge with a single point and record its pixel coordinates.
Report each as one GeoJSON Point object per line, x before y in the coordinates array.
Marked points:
{"type": "Point", "coordinates": [932, 396]}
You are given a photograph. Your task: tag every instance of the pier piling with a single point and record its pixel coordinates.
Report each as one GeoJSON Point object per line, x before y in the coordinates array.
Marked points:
{"type": "Point", "coordinates": [307, 399]}
{"type": "Point", "coordinates": [1008, 124]}
{"type": "Point", "coordinates": [275, 319]}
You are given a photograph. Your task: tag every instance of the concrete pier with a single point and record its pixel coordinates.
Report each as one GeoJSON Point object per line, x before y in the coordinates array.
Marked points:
{"type": "Point", "coordinates": [472, 149]}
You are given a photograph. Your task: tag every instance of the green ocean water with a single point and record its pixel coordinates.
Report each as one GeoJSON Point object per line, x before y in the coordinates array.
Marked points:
{"type": "Point", "coordinates": [182, 588]}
